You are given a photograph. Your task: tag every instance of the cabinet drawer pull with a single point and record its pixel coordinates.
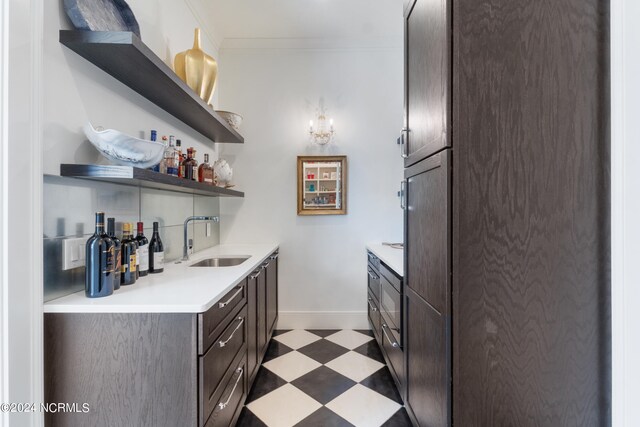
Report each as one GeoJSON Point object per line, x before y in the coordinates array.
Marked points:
{"type": "Point", "coordinates": [255, 274]}
{"type": "Point", "coordinates": [227, 302]}
{"type": "Point", "coordinates": [371, 306]}
{"type": "Point", "coordinates": [223, 343]}
{"type": "Point", "coordinates": [274, 256]}
{"type": "Point", "coordinates": [373, 276]}
{"type": "Point", "coordinates": [384, 331]}
{"type": "Point", "coordinates": [223, 405]}
{"type": "Point", "coordinates": [265, 265]}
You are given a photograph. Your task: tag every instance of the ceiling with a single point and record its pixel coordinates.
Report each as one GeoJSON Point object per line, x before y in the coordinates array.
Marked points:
{"type": "Point", "coordinates": [302, 19]}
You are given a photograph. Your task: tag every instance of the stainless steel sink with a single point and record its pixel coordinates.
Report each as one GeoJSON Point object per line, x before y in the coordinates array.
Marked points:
{"type": "Point", "coordinates": [221, 261]}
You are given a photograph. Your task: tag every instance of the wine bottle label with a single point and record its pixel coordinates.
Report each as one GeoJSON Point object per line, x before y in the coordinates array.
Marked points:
{"type": "Point", "coordinates": [118, 266]}
{"type": "Point", "coordinates": [132, 262]}
{"type": "Point", "coordinates": [172, 171]}
{"type": "Point", "coordinates": [123, 268]}
{"type": "Point", "coordinates": [158, 260]}
{"type": "Point", "coordinates": [143, 253]}
{"type": "Point", "coordinates": [208, 180]}
{"type": "Point", "coordinates": [195, 173]}
{"type": "Point", "coordinates": [138, 257]}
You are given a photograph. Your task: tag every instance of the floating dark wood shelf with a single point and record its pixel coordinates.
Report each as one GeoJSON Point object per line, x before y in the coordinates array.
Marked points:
{"type": "Point", "coordinates": [123, 55]}
{"type": "Point", "coordinates": [144, 178]}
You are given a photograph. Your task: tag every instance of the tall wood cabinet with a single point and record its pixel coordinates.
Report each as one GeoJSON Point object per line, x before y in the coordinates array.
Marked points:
{"type": "Point", "coordinates": [507, 275]}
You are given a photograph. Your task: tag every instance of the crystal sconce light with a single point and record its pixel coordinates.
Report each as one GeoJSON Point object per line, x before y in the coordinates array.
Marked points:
{"type": "Point", "coordinates": [323, 132]}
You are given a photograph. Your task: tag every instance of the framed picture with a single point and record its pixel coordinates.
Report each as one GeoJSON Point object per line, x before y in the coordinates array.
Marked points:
{"type": "Point", "coordinates": [322, 185]}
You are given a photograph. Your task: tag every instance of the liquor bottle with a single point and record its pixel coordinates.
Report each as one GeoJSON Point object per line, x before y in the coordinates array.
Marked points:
{"type": "Point", "coordinates": [205, 171]}
{"type": "Point", "coordinates": [154, 137]}
{"type": "Point", "coordinates": [179, 158]}
{"type": "Point", "coordinates": [129, 248]}
{"type": "Point", "coordinates": [143, 251]}
{"type": "Point", "coordinates": [99, 272]}
{"type": "Point", "coordinates": [117, 254]}
{"type": "Point", "coordinates": [171, 157]}
{"type": "Point", "coordinates": [156, 252]}
{"type": "Point", "coordinates": [163, 162]}
{"type": "Point", "coordinates": [190, 165]}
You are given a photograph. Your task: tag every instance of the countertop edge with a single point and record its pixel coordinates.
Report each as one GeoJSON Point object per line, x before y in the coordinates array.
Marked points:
{"type": "Point", "coordinates": [58, 306]}
{"type": "Point", "coordinates": [392, 258]}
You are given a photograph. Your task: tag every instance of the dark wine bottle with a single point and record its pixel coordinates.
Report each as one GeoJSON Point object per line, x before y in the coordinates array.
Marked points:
{"type": "Point", "coordinates": [117, 252]}
{"type": "Point", "coordinates": [156, 252]}
{"type": "Point", "coordinates": [143, 251]}
{"type": "Point", "coordinates": [99, 262]}
{"type": "Point", "coordinates": [129, 249]}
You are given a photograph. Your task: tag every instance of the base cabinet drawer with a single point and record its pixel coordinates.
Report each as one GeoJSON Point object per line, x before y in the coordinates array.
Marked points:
{"type": "Point", "coordinates": [228, 407]}
{"type": "Point", "coordinates": [213, 321]}
{"type": "Point", "coordinates": [391, 346]}
{"type": "Point", "coordinates": [374, 314]}
{"type": "Point", "coordinates": [219, 359]}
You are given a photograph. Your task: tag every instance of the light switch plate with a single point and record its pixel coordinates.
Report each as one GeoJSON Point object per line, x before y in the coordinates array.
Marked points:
{"type": "Point", "coordinates": [73, 253]}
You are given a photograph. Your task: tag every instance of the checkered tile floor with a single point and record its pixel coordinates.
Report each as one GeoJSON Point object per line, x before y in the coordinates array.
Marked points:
{"type": "Point", "coordinates": [322, 378]}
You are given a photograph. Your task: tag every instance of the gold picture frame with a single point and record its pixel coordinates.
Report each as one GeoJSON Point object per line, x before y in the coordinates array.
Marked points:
{"type": "Point", "coordinates": [322, 185]}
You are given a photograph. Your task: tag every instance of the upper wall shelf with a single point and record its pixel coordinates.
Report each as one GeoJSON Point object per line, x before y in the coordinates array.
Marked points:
{"type": "Point", "coordinates": [144, 178]}
{"type": "Point", "coordinates": [123, 55]}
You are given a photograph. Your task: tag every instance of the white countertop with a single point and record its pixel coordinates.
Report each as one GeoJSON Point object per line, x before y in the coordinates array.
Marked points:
{"type": "Point", "coordinates": [179, 289]}
{"type": "Point", "coordinates": [393, 258]}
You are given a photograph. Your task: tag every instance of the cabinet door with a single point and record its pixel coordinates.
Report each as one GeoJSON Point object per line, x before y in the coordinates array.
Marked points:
{"type": "Point", "coordinates": [262, 313]}
{"type": "Point", "coordinates": [252, 325]}
{"type": "Point", "coordinates": [428, 350]}
{"type": "Point", "coordinates": [272, 293]}
{"type": "Point", "coordinates": [427, 230]}
{"type": "Point", "coordinates": [427, 71]}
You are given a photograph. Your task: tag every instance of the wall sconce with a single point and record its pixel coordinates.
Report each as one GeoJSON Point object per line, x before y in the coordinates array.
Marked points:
{"type": "Point", "coordinates": [322, 134]}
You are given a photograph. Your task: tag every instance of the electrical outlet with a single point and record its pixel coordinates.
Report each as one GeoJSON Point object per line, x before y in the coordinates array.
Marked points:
{"type": "Point", "coordinates": [73, 253]}
{"type": "Point", "coordinates": [208, 230]}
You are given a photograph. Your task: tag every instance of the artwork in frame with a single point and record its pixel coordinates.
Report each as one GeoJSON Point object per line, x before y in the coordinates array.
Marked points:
{"type": "Point", "coordinates": [322, 185]}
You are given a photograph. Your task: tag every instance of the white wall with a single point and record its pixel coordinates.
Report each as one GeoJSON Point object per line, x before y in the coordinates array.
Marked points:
{"type": "Point", "coordinates": [625, 76]}
{"type": "Point", "coordinates": [21, 373]}
{"type": "Point", "coordinates": [277, 90]}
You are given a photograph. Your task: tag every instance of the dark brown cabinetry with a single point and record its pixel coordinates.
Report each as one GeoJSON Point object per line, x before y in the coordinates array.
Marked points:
{"type": "Point", "coordinates": [160, 369]}
{"type": "Point", "coordinates": [427, 73]}
{"type": "Point", "coordinates": [385, 311]}
{"type": "Point", "coordinates": [507, 275]}
{"type": "Point", "coordinates": [272, 292]}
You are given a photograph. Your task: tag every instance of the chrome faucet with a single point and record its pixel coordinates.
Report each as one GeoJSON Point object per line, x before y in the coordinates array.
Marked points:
{"type": "Point", "coordinates": [185, 249]}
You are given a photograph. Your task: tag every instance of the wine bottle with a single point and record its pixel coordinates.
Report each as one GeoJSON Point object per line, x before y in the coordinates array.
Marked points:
{"type": "Point", "coordinates": [117, 252]}
{"type": "Point", "coordinates": [129, 248]}
{"type": "Point", "coordinates": [99, 262]}
{"type": "Point", "coordinates": [156, 252]}
{"type": "Point", "coordinates": [143, 251]}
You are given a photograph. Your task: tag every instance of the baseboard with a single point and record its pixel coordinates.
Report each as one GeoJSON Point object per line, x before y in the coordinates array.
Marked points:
{"type": "Point", "coordinates": [322, 320]}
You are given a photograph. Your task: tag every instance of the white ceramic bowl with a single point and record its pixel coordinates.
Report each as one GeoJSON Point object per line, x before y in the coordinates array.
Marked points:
{"type": "Point", "coordinates": [234, 120]}
{"type": "Point", "coordinates": [125, 150]}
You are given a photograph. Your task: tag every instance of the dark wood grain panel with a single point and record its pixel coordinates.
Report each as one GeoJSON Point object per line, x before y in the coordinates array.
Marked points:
{"type": "Point", "coordinates": [252, 328]}
{"type": "Point", "coordinates": [272, 293]}
{"type": "Point", "coordinates": [427, 74]}
{"type": "Point", "coordinates": [215, 320]}
{"type": "Point", "coordinates": [428, 354]}
{"type": "Point", "coordinates": [427, 230]}
{"type": "Point", "coordinates": [144, 364]}
{"type": "Point", "coordinates": [122, 55]}
{"type": "Point", "coordinates": [262, 314]}
{"type": "Point", "coordinates": [531, 173]}
{"type": "Point", "coordinates": [144, 178]}
{"type": "Point", "coordinates": [231, 344]}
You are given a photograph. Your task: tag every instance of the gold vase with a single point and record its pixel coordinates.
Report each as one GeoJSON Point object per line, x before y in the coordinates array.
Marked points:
{"type": "Point", "coordinates": [198, 70]}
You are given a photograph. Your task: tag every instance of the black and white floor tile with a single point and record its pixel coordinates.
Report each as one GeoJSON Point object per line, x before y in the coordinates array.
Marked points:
{"type": "Point", "coordinates": [323, 378]}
